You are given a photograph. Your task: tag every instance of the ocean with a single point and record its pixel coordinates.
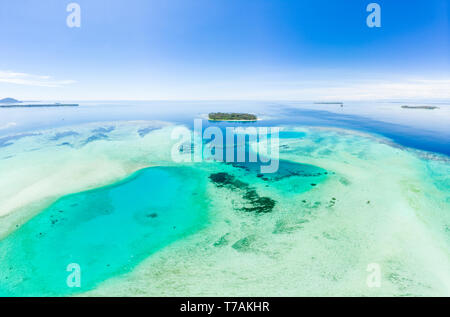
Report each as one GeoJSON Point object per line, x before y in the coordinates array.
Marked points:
{"type": "Point", "coordinates": [96, 186]}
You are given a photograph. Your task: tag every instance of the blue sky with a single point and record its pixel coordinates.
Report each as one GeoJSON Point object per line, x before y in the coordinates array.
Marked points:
{"type": "Point", "coordinates": [224, 49]}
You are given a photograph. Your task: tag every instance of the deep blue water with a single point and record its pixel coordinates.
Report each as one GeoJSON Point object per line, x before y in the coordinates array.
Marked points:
{"type": "Point", "coordinates": [29, 120]}
{"type": "Point", "coordinates": [427, 140]}
{"type": "Point", "coordinates": [408, 136]}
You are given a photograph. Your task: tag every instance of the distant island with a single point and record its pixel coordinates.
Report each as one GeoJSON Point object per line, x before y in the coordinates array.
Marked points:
{"type": "Point", "coordinates": [14, 103]}
{"type": "Point", "coordinates": [222, 116]}
{"type": "Point", "coordinates": [328, 103]}
{"type": "Point", "coordinates": [9, 100]}
{"type": "Point", "coordinates": [420, 107]}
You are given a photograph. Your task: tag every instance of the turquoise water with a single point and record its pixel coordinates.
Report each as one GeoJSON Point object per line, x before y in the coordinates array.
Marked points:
{"type": "Point", "coordinates": [109, 230]}
{"type": "Point", "coordinates": [292, 134]}
{"type": "Point", "coordinates": [106, 231]}
{"type": "Point", "coordinates": [232, 222]}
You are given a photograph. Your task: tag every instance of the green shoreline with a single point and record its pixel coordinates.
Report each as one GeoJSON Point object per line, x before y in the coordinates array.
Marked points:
{"type": "Point", "coordinates": [224, 120]}
{"type": "Point", "coordinates": [233, 116]}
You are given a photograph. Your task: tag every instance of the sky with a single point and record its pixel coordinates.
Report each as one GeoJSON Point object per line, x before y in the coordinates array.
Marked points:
{"type": "Point", "coordinates": [224, 50]}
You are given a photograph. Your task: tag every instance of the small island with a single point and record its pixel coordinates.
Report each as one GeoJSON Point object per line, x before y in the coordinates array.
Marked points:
{"type": "Point", "coordinates": [233, 116]}
{"type": "Point", "coordinates": [420, 107]}
{"type": "Point", "coordinates": [9, 101]}
{"type": "Point", "coordinates": [14, 103]}
{"type": "Point", "coordinates": [329, 103]}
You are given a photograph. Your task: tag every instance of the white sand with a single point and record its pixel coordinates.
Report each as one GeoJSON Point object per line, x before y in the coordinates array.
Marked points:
{"type": "Point", "coordinates": [39, 171]}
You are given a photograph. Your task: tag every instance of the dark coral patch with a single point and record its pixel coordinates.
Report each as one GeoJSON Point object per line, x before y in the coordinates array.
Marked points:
{"type": "Point", "coordinates": [257, 203]}
{"type": "Point", "coordinates": [104, 129]}
{"type": "Point", "coordinates": [61, 135]}
{"type": "Point", "coordinates": [95, 137]}
{"type": "Point", "coordinates": [144, 131]}
{"type": "Point", "coordinates": [227, 180]}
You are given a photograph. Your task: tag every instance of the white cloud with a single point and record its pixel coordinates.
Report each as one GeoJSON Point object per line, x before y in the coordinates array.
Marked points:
{"type": "Point", "coordinates": [32, 80]}
{"type": "Point", "coordinates": [411, 88]}
{"type": "Point", "coordinates": [362, 89]}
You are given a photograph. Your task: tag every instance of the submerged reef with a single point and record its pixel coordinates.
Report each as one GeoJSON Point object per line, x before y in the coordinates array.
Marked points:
{"type": "Point", "coordinates": [95, 137]}
{"type": "Point", "coordinates": [60, 135]}
{"type": "Point", "coordinates": [255, 202]}
{"type": "Point", "coordinates": [286, 169]}
{"type": "Point", "coordinates": [9, 140]}
{"type": "Point", "coordinates": [104, 129]}
{"type": "Point", "coordinates": [223, 179]}
{"type": "Point", "coordinates": [144, 131]}
{"type": "Point", "coordinates": [304, 230]}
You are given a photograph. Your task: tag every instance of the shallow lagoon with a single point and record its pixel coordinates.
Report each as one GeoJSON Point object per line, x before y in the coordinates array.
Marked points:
{"type": "Point", "coordinates": [106, 231]}
{"type": "Point", "coordinates": [109, 230]}
{"type": "Point", "coordinates": [376, 203]}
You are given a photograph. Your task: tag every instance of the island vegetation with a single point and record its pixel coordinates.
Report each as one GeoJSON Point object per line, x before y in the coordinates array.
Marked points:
{"type": "Point", "coordinates": [233, 116]}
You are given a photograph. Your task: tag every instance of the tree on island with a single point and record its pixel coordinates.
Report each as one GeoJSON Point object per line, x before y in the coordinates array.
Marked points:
{"type": "Point", "coordinates": [221, 116]}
